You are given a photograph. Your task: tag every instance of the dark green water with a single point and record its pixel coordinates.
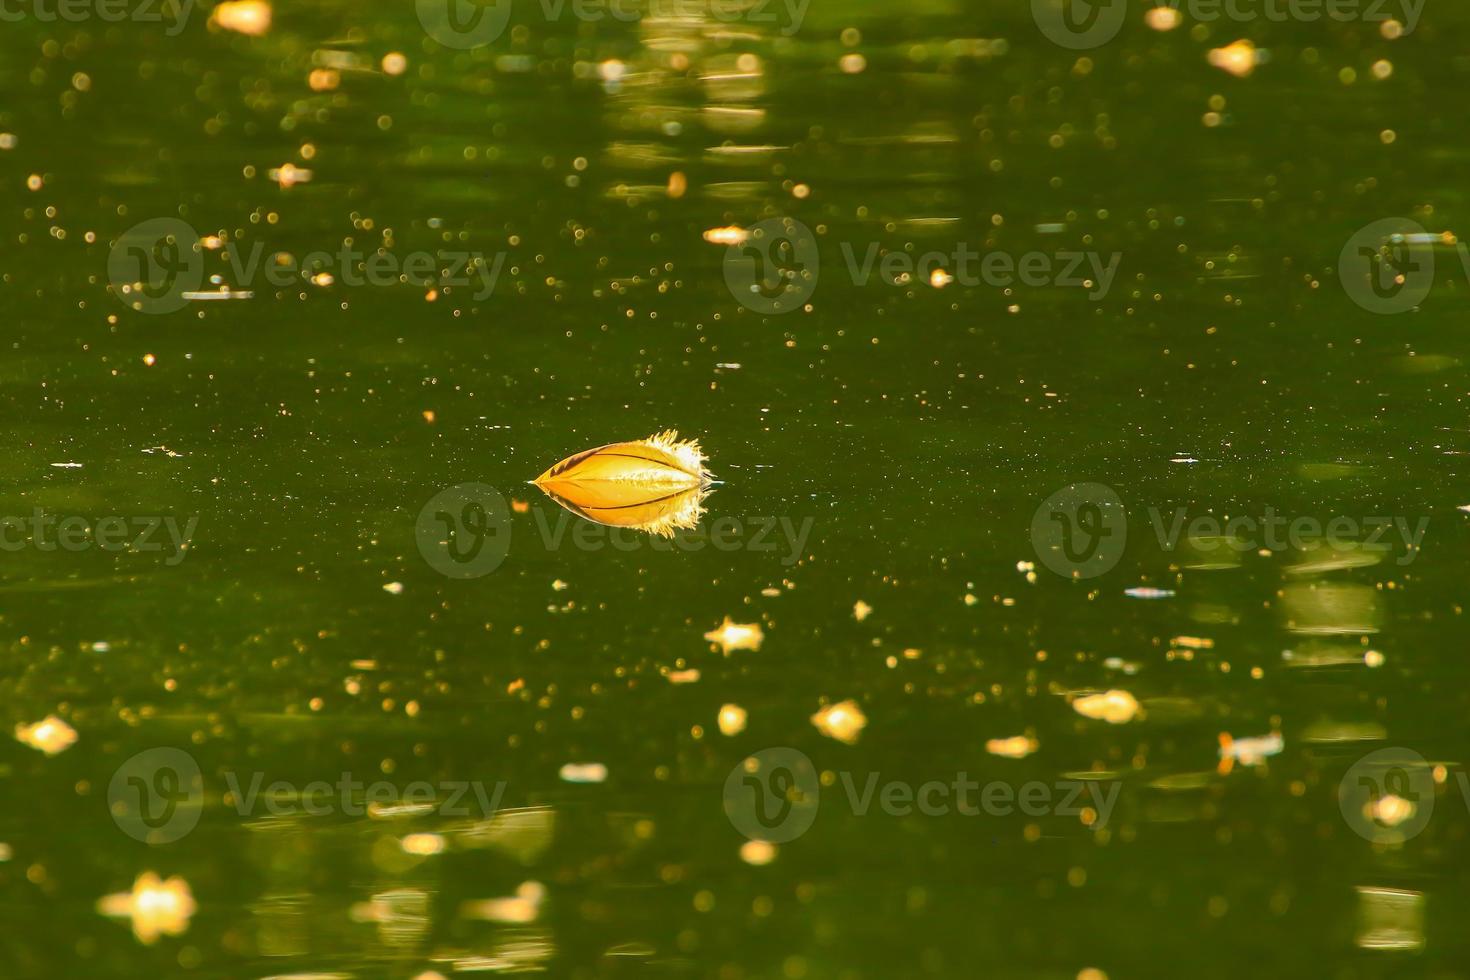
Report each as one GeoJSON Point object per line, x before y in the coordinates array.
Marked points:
{"type": "Point", "coordinates": [905, 434]}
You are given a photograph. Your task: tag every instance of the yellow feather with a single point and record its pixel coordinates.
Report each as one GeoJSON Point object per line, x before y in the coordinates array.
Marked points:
{"type": "Point", "coordinates": [656, 484]}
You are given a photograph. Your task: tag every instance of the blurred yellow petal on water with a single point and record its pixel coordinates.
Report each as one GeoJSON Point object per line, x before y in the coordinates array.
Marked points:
{"type": "Point", "coordinates": [1163, 18]}
{"type": "Point", "coordinates": [51, 735]}
{"type": "Point", "coordinates": [732, 719]}
{"type": "Point", "coordinates": [1239, 59]}
{"type": "Point", "coordinates": [251, 17]}
{"type": "Point", "coordinates": [1015, 747]}
{"type": "Point", "coordinates": [843, 721]}
{"type": "Point", "coordinates": [656, 484]}
{"type": "Point", "coordinates": [1114, 707]}
{"type": "Point", "coordinates": [730, 636]}
{"type": "Point", "coordinates": [728, 235]}
{"type": "Point", "coordinates": [156, 907]}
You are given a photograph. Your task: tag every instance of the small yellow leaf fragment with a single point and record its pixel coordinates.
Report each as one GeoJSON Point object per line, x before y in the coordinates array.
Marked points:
{"type": "Point", "coordinates": [861, 610]}
{"type": "Point", "coordinates": [252, 17]}
{"type": "Point", "coordinates": [1114, 707]}
{"type": "Point", "coordinates": [1163, 18]}
{"type": "Point", "coordinates": [843, 721]}
{"type": "Point", "coordinates": [157, 908]}
{"type": "Point", "coordinates": [1015, 747]}
{"type": "Point", "coordinates": [732, 719]}
{"type": "Point", "coordinates": [583, 772]}
{"type": "Point", "coordinates": [729, 235]}
{"type": "Point", "coordinates": [730, 636]}
{"type": "Point", "coordinates": [422, 844]}
{"type": "Point", "coordinates": [1390, 810]}
{"type": "Point", "coordinates": [288, 175]}
{"type": "Point", "coordinates": [522, 907]}
{"type": "Point", "coordinates": [51, 735]}
{"type": "Point", "coordinates": [1239, 58]}
{"type": "Point", "coordinates": [757, 853]}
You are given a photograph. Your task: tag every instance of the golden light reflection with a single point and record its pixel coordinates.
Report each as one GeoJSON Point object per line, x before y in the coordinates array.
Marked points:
{"type": "Point", "coordinates": [156, 907]}
{"type": "Point", "coordinates": [51, 735]}
{"type": "Point", "coordinates": [1389, 918]}
{"type": "Point", "coordinates": [732, 719]}
{"type": "Point", "coordinates": [252, 17]}
{"type": "Point", "coordinates": [730, 636]}
{"type": "Point", "coordinates": [843, 721]}
{"type": "Point", "coordinates": [1015, 747]}
{"type": "Point", "coordinates": [1114, 707]}
{"type": "Point", "coordinates": [522, 907]}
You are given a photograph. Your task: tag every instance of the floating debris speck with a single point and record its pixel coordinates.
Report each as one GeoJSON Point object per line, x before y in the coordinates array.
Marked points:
{"type": "Point", "coordinates": [731, 636]}
{"type": "Point", "coordinates": [1015, 747]}
{"type": "Point", "coordinates": [51, 735]}
{"type": "Point", "coordinates": [1253, 751]}
{"type": "Point", "coordinates": [1239, 58]}
{"type": "Point", "coordinates": [583, 772]}
{"type": "Point", "coordinates": [1114, 707]}
{"type": "Point", "coordinates": [156, 907]}
{"type": "Point", "coordinates": [729, 235]}
{"type": "Point", "coordinates": [252, 17]}
{"type": "Point", "coordinates": [732, 719]}
{"type": "Point", "coordinates": [843, 721]}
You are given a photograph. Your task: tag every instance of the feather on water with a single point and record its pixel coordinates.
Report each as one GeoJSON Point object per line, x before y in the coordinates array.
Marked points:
{"type": "Point", "coordinates": [656, 484]}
